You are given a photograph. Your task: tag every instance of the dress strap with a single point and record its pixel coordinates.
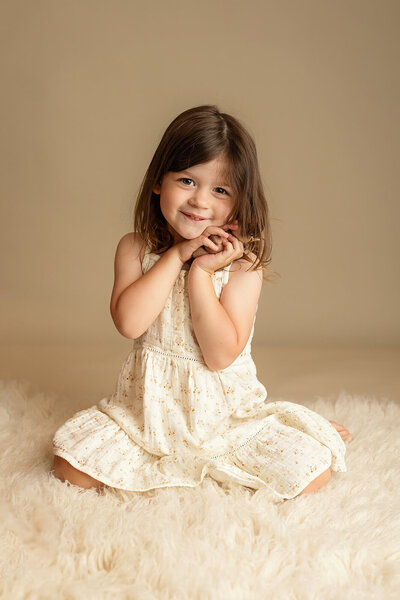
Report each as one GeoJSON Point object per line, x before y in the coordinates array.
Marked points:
{"type": "Point", "coordinates": [225, 274]}
{"type": "Point", "coordinates": [147, 258]}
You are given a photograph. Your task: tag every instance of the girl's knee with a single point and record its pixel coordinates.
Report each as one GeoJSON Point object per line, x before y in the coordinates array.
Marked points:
{"type": "Point", "coordinates": [64, 471]}
{"type": "Point", "coordinates": [317, 483]}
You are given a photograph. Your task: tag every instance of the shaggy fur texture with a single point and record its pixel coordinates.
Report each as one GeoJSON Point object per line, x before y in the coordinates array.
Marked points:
{"type": "Point", "coordinates": [216, 541]}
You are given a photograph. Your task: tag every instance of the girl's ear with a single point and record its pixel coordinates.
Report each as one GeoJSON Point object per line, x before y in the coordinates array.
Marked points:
{"type": "Point", "coordinates": [157, 187]}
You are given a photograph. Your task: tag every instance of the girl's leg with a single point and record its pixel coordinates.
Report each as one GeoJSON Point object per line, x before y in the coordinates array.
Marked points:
{"type": "Point", "coordinates": [65, 471]}
{"type": "Point", "coordinates": [317, 483]}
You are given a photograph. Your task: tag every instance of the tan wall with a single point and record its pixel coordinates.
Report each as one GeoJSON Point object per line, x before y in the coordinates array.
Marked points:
{"type": "Point", "coordinates": [87, 91]}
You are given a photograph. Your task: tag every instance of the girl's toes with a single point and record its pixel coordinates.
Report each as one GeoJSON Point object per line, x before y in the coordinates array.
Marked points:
{"type": "Point", "coordinates": [342, 431]}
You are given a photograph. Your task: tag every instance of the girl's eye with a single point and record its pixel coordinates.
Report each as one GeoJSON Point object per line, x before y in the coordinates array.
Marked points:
{"type": "Point", "coordinates": [218, 188]}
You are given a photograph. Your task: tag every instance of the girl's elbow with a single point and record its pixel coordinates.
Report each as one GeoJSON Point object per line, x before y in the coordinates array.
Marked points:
{"type": "Point", "coordinates": [125, 331]}
{"type": "Point", "coordinates": [129, 336]}
{"type": "Point", "coordinates": [224, 361]}
{"type": "Point", "coordinates": [211, 367]}
{"type": "Point", "coordinates": [219, 364]}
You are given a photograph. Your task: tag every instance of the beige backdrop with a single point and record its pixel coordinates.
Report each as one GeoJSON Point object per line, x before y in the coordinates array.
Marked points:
{"type": "Point", "coordinates": [88, 87]}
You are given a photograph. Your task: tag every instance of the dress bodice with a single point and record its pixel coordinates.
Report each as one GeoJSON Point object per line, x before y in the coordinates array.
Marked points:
{"type": "Point", "coordinates": [172, 331]}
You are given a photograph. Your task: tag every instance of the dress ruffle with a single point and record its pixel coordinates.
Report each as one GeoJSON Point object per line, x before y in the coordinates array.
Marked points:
{"type": "Point", "coordinates": [265, 460]}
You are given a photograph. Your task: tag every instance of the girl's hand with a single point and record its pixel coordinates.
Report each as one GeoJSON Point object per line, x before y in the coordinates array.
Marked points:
{"type": "Point", "coordinates": [232, 250]}
{"type": "Point", "coordinates": [217, 241]}
{"type": "Point", "coordinates": [187, 248]}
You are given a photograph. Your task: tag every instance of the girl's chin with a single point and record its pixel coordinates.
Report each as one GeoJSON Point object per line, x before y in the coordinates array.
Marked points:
{"type": "Point", "coordinates": [184, 236]}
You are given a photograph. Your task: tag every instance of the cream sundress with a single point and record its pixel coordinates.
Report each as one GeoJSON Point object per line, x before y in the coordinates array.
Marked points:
{"type": "Point", "coordinates": [171, 420]}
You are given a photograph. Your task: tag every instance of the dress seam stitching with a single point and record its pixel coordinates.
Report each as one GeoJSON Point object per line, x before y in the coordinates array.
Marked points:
{"type": "Point", "coordinates": [155, 349]}
{"type": "Point", "coordinates": [241, 445]}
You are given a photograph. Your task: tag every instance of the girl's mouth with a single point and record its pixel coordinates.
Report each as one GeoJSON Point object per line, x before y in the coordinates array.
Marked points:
{"type": "Point", "coordinates": [192, 218]}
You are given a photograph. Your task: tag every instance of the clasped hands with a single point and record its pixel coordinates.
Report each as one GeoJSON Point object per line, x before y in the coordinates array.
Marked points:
{"type": "Point", "coordinates": [213, 249]}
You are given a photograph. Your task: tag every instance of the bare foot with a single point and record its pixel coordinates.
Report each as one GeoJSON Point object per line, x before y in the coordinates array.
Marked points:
{"type": "Point", "coordinates": [343, 432]}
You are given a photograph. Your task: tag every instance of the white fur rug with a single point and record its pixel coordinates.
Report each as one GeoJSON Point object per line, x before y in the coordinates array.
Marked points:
{"type": "Point", "coordinates": [213, 542]}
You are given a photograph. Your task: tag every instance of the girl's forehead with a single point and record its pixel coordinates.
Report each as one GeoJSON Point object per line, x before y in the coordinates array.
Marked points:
{"type": "Point", "coordinates": [221, 168]}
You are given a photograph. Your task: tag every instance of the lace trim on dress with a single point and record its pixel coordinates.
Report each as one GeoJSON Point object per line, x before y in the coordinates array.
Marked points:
{"type": "Point", "coordinates": [155, 349]}
{"type": "Point", "coordinates": [241, 445]}
{"type": "Point", "coordinates": [244, 354]}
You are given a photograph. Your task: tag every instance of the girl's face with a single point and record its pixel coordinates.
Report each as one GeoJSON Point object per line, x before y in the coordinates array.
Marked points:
{"type": "Point", "coordinates": [200, 190]}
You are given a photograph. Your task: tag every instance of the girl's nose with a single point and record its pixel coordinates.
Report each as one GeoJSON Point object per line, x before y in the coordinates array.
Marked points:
{"type": "Point", "coordinates": [200, 199]}
{"type": "Point", "coordinates": [200, 196]}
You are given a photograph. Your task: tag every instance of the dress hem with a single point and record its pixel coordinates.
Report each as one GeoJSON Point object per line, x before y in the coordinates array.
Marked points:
{"type": "Point", "coordinates": [58, 451]}
{"type": "Point", "coordinates": [75, 463]}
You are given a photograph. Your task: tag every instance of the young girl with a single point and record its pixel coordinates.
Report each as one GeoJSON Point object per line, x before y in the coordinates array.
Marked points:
{"type": "Point", "coordinates": [188, 403]}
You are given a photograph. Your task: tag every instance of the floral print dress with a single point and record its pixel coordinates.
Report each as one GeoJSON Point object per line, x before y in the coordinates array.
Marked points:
{"type": "Point", "coordinates": [171, 421]}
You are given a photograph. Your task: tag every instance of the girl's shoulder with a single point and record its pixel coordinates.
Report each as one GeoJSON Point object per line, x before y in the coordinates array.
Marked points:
{"type": "Point", "coordinates": [243, 264]}
{"type": "Point", "coordinates": [242, 275]}
{"type": "Point", "coordinates": [127, 265]}
{"type": "Point", "coordinates": [133, 241]}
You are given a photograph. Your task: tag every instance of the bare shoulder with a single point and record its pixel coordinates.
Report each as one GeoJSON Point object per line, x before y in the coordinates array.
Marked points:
{"type": "Point", "coordinates": [243, 266]}
{"type": "Point", "coordinates": [127, 264]}
{"type": "Point", "coordinates": [131, 244]}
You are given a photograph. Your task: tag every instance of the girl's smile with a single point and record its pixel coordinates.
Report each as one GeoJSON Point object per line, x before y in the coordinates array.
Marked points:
{"type": "Point", "coordinates": [192, 218]}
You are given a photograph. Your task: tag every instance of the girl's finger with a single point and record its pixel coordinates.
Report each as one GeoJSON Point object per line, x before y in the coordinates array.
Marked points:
{"type": "Point", "coordinates": [236, 243]}
{"type": "Point", "coordinates": [234, 248]}
{"type": "Point", "coordinates": [227, 244]}
{"type": "Point", "coordinates": [210, 244]}
{"type": "Point", "coordinates": [211, 230]}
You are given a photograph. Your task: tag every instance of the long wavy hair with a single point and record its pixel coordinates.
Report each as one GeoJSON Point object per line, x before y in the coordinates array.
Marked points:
{"type": "Point", "coordinates": [199, 135]}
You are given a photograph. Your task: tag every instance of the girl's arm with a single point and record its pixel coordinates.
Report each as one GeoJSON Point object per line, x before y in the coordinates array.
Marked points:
{"type": "Point", "coordinates": [137, 299]}
{"type": "Point", "coordinates": [223, 326]}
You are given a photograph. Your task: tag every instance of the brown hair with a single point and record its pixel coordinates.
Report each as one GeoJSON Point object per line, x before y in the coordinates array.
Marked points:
{"type": "Point", "coordinates": [199, 135]}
